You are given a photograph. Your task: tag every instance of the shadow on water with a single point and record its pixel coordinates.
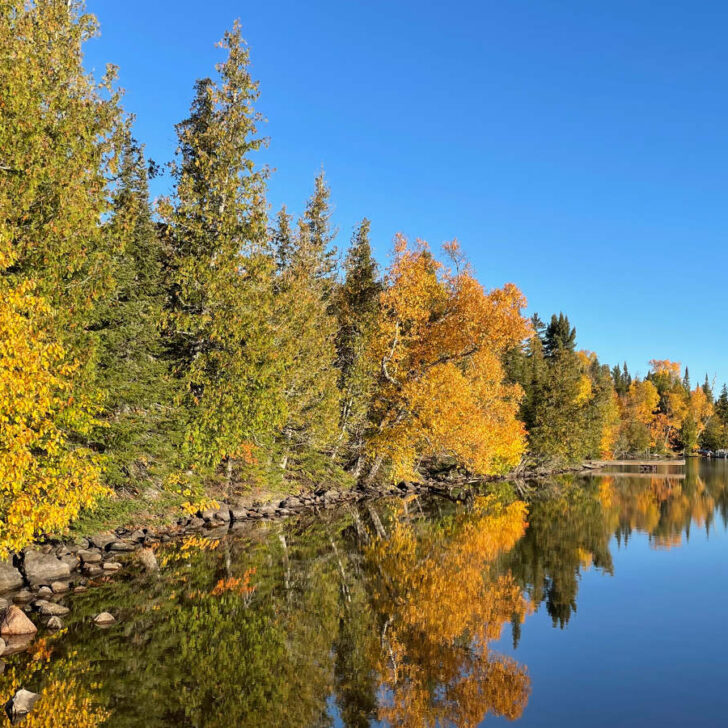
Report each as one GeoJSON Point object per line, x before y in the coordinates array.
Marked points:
{"type": "Point", "coordinates": [384, 614]}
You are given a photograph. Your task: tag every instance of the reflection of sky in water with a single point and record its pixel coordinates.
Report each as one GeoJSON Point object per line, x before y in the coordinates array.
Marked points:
{"type": "Point", "coordinates": [647, 646]}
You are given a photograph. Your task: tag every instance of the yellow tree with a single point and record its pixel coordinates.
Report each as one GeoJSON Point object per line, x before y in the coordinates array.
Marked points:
{"type": "Point", "coordinates": [437, 348]}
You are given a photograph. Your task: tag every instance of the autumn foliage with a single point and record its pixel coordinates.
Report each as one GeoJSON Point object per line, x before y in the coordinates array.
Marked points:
{"type": "Point", "coordinates": [437, 347]}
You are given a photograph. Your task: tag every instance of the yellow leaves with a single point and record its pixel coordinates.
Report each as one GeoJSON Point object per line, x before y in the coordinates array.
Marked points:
{"type": "Point", "coordinates": [437, 346]}
{"type": "Point", "coordinates": [44, 481]}
{"type": "Point", "coordinates": [236, 585]}
{"type": "Point", "coordinates": [443, 603]}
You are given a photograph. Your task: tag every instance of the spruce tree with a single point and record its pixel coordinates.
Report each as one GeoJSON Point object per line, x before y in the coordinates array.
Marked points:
{"type": "Point", "coordinates": [559, 336]}
{"type": "Point", "coordinates": [140, 433]}
{"type": "Point", "coordinates": [306, 341]}
{"type": "Point", "coordinates": [357, 303]}
{"type": "Point", "coordinates": [221, 278]}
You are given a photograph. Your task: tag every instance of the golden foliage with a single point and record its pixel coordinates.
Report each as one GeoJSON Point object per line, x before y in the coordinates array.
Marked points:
{"type": "Point", "coordinates": [437, 346]}
{"type": "Point", "coordinates": [443, 604]}
{"type": "Point", "coordinates": [44, 481]}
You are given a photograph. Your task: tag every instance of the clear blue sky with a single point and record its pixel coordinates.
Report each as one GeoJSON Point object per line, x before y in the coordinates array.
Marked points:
{"type": "Point", "coordinates": [578, 149]}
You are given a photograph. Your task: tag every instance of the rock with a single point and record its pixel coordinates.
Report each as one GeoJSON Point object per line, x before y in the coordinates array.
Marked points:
{"type": "Point", "coordinates": [238, 514]}
{"type": "Point", "coordinates": [44, 568]}
{"type": "Point", "coordinates": [222, 514]}
{"type": "Point", "coordinates": [104, 619]}
{"type": "Point", "coordinates": [50, 609]}
{"type": "Point", "coordinates": [17, 643]}
{"type": "Point", "coordinates": [15, 622]}
{"type": "Point", "coordinates": [3, 645]}
{"type": "Point", "coordinates": [102, 540]}
{"type": "Point", "coordinates": [55, 623]}
{"type": "Point", "coordinates": [44, 592]}
{"type": "Point", "coordinates": [23, 596]}
{"type": "Point", "coordinates": [112, 566]}
{"type": "Point", "coordinates": [291, 502]}
{"type": "Point", "coordinates": [90, 557]}
{"type": "Point", "coordinates": [71, 560]}
{"type": "Point", "coordinates": [4, 604]}
{"type": "Point", "coordinates": [10, 577]}
{"type": "Point", "coordinates": [58, 587]}
{"type": "Point", "coordinates": [138, 536]}
{"type": "Point", "coordinates": [120, 546]}
{"type": "Point", "coordinates": [79, 590]}
{"type": "Point", "coordinates": [93, 570]}
{"type": "Point", "coordinates": [20, 704]}
{"type": "Point", "coordinates": [148, 560]}
{"type": "Point", "coordinates": [194, 524]}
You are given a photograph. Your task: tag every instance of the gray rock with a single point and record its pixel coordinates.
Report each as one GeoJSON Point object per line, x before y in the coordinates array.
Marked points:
{"type": "Point", "coordinates": [10, 577]}
{"type": "Point", "coordinates": [194, 524]}
{"type": "Point", "coordinates": [104, 619]}
{"type": "Point", "coordinates": [121, 546]}
{"type": "Point", "coordinates": [3, 645]}
{"type": "Point", "coordinates": [20, 704]}
{"type": "Point", "coordinates": [71, 560]}
{"type": "Point", "coordinates": [50, 609]}
{"type": "Point", "coordinates": [23, 596]}
{"type": "Point", "coordinates": [90, 557]}
{"type": "Point", "coordinates": [44, 592]}
{"type": "Point", "coordinates": [4, 604]}
{"type": "Point", "coordinates": [55, 623]}
{"type": "Point", "coordinates": [44, 568]}
{"type": "Point", "coordinates": [238, 514]}
{"type": "Point", "coordinates": [58, 587]}
{"type": "Point", "coordinates": [148, 560]}
{"type": "Point", "coordinates": [102, 540]}
{"type": "Point", "coordinates": [112, 566]}
{"type": "Point", "coordinates": [93, 570]}
{"type": "Point", "coordinates": [138, 536]}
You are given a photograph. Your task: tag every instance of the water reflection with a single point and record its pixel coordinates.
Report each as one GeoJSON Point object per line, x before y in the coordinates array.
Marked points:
{"type": "Point", "coordinates": [383, 615]}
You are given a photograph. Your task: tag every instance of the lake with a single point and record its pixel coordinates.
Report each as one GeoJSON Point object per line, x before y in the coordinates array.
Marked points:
{"type": "Point", "coordinates": [600, 602]}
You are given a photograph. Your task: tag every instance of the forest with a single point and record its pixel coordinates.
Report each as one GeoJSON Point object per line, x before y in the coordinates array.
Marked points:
{"type": "Point", "coordinates": [202, 344]}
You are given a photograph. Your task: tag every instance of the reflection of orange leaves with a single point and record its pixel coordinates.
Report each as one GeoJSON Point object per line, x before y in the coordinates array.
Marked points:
{"type": "Point", "coordinates": [444, 604]}
{"type": "Point", "coordinates": [40, 650]}
{"type": "Point", "coordinates": [240, 586]}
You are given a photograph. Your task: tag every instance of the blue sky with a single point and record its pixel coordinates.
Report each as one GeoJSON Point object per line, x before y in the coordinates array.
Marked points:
{"type": "Point", "coordinates": [577, 149]}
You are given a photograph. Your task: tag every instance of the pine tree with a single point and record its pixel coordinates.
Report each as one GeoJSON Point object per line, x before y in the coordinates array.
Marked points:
{"type": "Point", "coordinates": [221, 276]}
{"type": "Point", "coordinates": [317, 221]}
{"type": "Point", "coordinates": [140, 432]}
{"type": "Point", "coordinates": [559, 336]}
{"type": "Point", "coordinates": [306, 341]}
{"type": "Point", "coordinates": [356, 304]}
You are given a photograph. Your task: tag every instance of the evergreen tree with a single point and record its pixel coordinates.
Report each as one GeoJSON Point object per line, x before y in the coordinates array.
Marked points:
{"type": "Point", "coordinates": [306, 341]}
{"type": "Point", "coordinates": [317, 221]}
{"type": "Point", "coordinates": [559, 336]}
{"type": "Point", "coordinates": [139, 434]}
{"type": "Point", "coordinates": [221, 278]}
{"type": "Point", "coordinates": [356, 304]}
{"type": "Point", "coordinates": [708, 389]}
{"type": "Point", "coordinates": [686, 380]}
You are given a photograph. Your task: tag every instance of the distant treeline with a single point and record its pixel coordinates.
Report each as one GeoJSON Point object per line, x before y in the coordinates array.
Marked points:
{"type": "Point", "coordinates": [197, 341]}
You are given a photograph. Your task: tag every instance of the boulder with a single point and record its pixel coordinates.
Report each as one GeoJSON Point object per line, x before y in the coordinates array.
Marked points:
{"type": "Point", "coordinates": [138, 536]}
{"type": "Point", "coordinates": [93, 570]}
{"type": "Point", "coordinates": [121, 546]}
{"type": "Point", "coordinates": [3, 645]}
{"type": "Point", "coordinates": [44, 592]}
{"type": "Point", "coordinates": [112, 566]}
{"type": "Point", "coordinates": [238, 514]}
{"type": "Point", "coordinates": [58, 587]}
{"type": "Point", "coordinates": [23, 596]}
{"type": "Point", "coordinates": [148, 560]}
{"type": "Point", "coordinates": [10, 577]}
{"type": "Point", "coordinates": [50, 609]}
{"type": "Point", "coordinates": [104, 619]}
{"type": "Point", "coordinates": [90, 557]}
{"type": "Point", "coordinates": [71, 560]}
{"type": "Point", "coordinates": [20, 704]}
{"type": "Point", "coordinates": [55, 623]}
{"type": "Point", "coordinates": [14, 622]}
{"type": "Point", "coordinates": [102, 540]}
{"type": "Point", "coordinates": [44, 568]}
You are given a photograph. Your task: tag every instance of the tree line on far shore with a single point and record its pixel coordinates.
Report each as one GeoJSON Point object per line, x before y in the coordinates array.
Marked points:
{"type": "Point", "coordinates": [201, 341]}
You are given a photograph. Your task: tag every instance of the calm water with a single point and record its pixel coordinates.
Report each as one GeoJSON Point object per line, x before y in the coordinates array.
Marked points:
{"type": "Point", "coordinates": [607, 609]}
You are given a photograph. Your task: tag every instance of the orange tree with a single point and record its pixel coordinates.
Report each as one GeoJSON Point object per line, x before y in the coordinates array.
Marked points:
{"type": "Point", "coordinates": [437, 349]}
